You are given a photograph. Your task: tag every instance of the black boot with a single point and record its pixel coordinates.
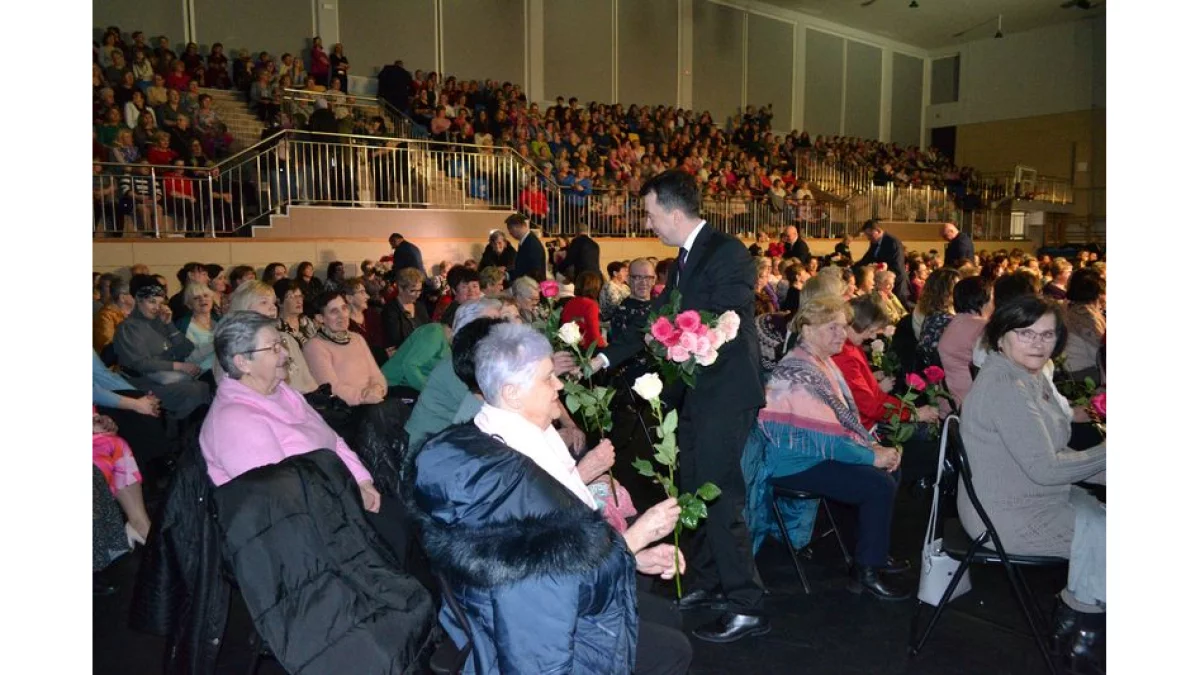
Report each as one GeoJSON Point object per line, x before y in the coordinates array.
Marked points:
{"type": "Point", "coordinates": [1064, 622]}
{"type": "Point", "coordinates": [871, 580]}
{"type": "Point", "coordinates": [1085, 646]}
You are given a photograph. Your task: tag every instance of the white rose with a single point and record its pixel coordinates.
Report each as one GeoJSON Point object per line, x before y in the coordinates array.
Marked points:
{"type": "Point", "coordinates": [728, 324]}
{"type": "Point", "coordinates": [569, 333]}
{"type": "Point", "coordinates": [889, 331]}
{"type": "Point", "coordinates": [877, 346]}
{"type": "Point", "coordinates": [648, 386]}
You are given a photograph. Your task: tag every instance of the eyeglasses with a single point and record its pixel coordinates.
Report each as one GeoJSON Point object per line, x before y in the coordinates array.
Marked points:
{"type": "Point", "coordinates": [273, 347]}
{"type": "Point", "coordinates": [1028, 336]}
{"type": "Point", "coordinates": [641, 277]}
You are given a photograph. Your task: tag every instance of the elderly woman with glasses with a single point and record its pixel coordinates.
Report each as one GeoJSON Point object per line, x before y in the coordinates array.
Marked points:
{"type": "Point", "coordinates": [810, 437]}
{"type": "Point", "coordinates": [1015, 431]}
{"type": "Point", "coordinates": [256, 419]}
{"type": "Point", "coordinates": [153, 353]}
{"type": "Point", "coordinates": [546, 584]}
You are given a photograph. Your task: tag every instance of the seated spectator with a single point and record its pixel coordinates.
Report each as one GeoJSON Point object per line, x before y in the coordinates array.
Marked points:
{"type": "Point", "coordinates": [871, 396]}
{"type": "Point", "coordinates": [161, 153]}
{"type": "Point", "coordinates": [310, 286]}
{"type": "Point", "coordinates": [498, 252]}
{"type": "Point", "coordinates": [511, 437]}
{"type": "Point", "coordinates": [106, 133]}
{"type": "Point", "coordinates": [274, 272]}
{"type": "Point", "coordinates": [218, 283]}
{"type": "Point", "coordinates": [534, 203]}
{"type": "Point", "coordinates": [885, 292]}
{"type": "Point", "coordinates": [256, 418]}
{"type": "Point", "coordinates": [404, 314]}
{"type": "Point", "coordinates": [1085, 323]}
{"type": "Point", "coordinates": [528, 296]}
{"type": "Point", "coordinates": [934, 310]}
{"type": "Point", "coordinates": [115, 74]}
{"type": "Point", "coordinates": [216, 75]}
{"type": "Point", "coordinates": [197, 325]}
{"type": "Point", "coordinates": [1015, 432]}
{"type": "Point", "coordinates": [491, 281]}
{"type": "Point", "coordinates": [169, 112]}
{"type": "Point", "coordinates": [152, 352]}
{"type": "Point", "coordinates": [292, 320]}
{"type": "Point", "coordinates": [190, 273]}
{"type": "Point", "coordinates": [373, 282]}
{"type": "Point", "coordinates": [240, 275]}
{"type": "Point", "coordinates": [135, 412]}
{"type": "Point", "coordinates": [182, 136]}
{"type": "Point", "coordinates": [111, 314]}
{"type": "Point", "coordinates": [335, 276]}
{"type": "Point", "coordinates": [615, 290]}
{"type": "Point", "coordinates": [189, 100]}
{"type": "Point", "coordinates": [765, 300]}
{"type": "Point", "coordinates": [661, 269]}
{"type": "Point", "coordinates": [256, 296]}
{"type": "Point", "coordinates": [112, 455]}
{"type": "Point", "coordinates": [364, 319]}
{"type": "Point", "coordinates": [342, 359]}
{"type": "Point", "coordinates": [464, 285]}
{"type": "Point", "coordinates": [809, 437]}
{"type": "Point", "coordinates": [135, 108]}
{"type": "Point", "coordinates": [143, 70]}
{"type": "Point", "coordinates": [632, 314]}
{"type": "Point", "coordinates": [263, 96]}
{"type": "Point", "coordinates": [972, 309]}
{"type": "Point", "coordinates": [179, 78]}
{"type": "Point", "coordinates": [584, 309]}
{"type": "Point", "coordinates": [157, 93]}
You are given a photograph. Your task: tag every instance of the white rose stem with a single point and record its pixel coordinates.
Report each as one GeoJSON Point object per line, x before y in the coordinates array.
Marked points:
{"type": "Point", "coordinates": [586, 367]}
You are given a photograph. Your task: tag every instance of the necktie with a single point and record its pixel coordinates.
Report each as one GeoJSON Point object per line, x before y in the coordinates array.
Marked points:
{"type": "Point", "coordinates": [682, 258]}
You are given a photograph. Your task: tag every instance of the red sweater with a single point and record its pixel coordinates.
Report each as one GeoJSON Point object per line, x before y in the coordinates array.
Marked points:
{"type": "Point", "coordinates": [586, 313]}
{"type": "Point", "coordinates": [868, 396]}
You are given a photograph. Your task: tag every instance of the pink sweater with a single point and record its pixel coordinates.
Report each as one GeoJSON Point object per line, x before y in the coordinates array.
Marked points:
{"type": "Point", "coordinates": [955, 348]}
{"type": "Point", "coordinates": [347, 368]}
{"type": "Point", "coordinates": [245, 430]}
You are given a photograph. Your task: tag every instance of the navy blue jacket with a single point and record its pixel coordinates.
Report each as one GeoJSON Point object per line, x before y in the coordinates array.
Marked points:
{"type": "Point", "coordinates": [546, 585]}
{"type": "Point", "coordinates": [960, 248]}
{"type": "Point", "coordinates": [531, 259]}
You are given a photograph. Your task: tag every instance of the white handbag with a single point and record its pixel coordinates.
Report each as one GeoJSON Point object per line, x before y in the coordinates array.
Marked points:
{"type": "Point", "coordinates": [937, 568]}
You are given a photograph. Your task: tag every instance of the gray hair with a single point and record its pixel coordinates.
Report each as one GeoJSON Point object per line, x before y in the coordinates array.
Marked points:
{"type": "Point", "coordinates": [117, 288]}
{"type": "Point", "coordinates": [508, 355]}
{"type": "Point", "coordinates": [237, 334]}
{"type": "Point", "coordinates": [525, 287]}
{"type": "Point", "coordinates": [883, 276]}
{"type": "Point", "coordinates": [468, 312]}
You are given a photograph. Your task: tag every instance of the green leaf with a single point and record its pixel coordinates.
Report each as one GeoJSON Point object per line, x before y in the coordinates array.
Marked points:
{"type": "Point", "coordinates": [691, 515]}
{"type": "Point", "coordinates": [573, 403]}
{"type": "Point", "coordinates": [644, 467]}
{"type": "Point", "coordinates": [671, 423]}
{"type": "Point", "coordinates": [708, 492]}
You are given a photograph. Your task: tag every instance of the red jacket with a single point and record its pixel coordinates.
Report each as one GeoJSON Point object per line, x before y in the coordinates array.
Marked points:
{"type": "Point", "coordinates": [868, 396]}
{"type": "Point", "coordinates": [586, 313]}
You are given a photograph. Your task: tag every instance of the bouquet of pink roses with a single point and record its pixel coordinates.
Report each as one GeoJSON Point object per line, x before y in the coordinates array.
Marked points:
{"type": "Point", "coordinates": [681, 341]}
{"type": "Point", "coordinates": [902, 421]}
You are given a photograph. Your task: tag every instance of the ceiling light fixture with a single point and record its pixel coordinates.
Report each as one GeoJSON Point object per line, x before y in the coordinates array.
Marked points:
{"type": "Point", "coordinates": [914, 5]}
{"type": "Point", "coordinates": [999, 30]}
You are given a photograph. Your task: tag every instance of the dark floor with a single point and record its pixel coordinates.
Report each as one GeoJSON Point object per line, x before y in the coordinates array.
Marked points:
{"type": "Point", "coordinates": [830, 631]}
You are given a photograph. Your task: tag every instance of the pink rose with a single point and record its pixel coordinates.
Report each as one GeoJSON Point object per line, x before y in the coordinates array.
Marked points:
{"type": "Point", "coordinates": [706, 357]}
{"type": "Point", "coordinates": [914, 380]}
{"type": "Point", "coordinates": [664, 332]}
{"type": "Point", "coordinates": [678, 354]}
{"type": "Point", "coordinates": [1100, 404]}
{"type": "Point", "coordinates": [689, 341]}
{"type": "Point", "coordinates": [688, 321]}
{"type": "Point", "coordinates": [549, 288]}
{"type": "Point", "coordinates": [934, 374]}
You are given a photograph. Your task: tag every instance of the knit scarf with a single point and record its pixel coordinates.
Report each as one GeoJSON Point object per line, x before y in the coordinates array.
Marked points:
{"type": "Point", "coordinates": [800, 395]}
{"type": "Point", "coordinates": [339, 337]}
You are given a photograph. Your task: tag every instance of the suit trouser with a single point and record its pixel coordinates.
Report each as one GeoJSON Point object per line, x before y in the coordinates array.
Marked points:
{"type": "Point", "coordinates": [721, 555]}
{"type": "Point", "coordinates": [662, 648]}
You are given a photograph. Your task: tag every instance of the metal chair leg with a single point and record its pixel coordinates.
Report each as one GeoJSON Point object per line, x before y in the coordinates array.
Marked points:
{"type": "Point", "coordinates": [1019, 589]}
{"type": "Point", "coordinates": [788, 542]}
{"type": "Point", "coordinates": [837, 534]}
{"type": "Point", "coordinates": [945, 599]}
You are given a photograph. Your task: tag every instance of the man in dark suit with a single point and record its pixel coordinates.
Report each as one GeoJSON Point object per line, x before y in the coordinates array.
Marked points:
{"type": "Point", "coordinates": [713, 272]}
{"type": "Point", "coordinates": [394, 85]}
{"type": "Point", "coordinates": [583, 255]}
{"type": "Point", "coordinates": [887, 249]}
{"type": "Point", "coordinates": [531, 255]}
{"type": "Point", "coordinates": [960, 249]}
{"type": "Point", "coordinates": [794, 246]}
{"type": "Point", "coordinates": [405, 254]}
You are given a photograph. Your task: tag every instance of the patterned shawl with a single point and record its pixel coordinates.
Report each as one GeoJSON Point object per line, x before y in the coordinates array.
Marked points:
{"type": "Point", "coordinates": [800, 394]}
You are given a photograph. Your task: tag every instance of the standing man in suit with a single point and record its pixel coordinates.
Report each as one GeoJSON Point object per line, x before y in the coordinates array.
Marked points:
{"type": "Point", "coordinates": [583, 255]}
{"type": "Point", "coordinates": [405, 254]}
{"type": "Point", "coordinates": [713, 272]}
{"type": "Point", "coordinates": [531, 255]}
{"type": "Point", "coordinates": [960, 250]}
{"type": "Point", "coordinates": [887, 249]}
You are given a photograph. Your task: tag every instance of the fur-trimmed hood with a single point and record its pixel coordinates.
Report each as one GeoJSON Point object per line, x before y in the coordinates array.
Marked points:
{"type": "Point", "coordinates": [489, 516]}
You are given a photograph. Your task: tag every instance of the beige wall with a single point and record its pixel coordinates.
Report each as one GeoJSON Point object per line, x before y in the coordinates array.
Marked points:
{"type": "Point", "coordinates": [1055, 145]}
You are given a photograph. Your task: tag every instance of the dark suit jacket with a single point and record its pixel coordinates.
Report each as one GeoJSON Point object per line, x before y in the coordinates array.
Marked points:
{"type": "Point", "coordinates": [719, 276]}
{"type": "Point", "coordinates": [799, 250]}
{"type": "Point", "coordinates": [407, 255]}
{"type": "Point", "coordinates": [504, 260]}
{"type": "Point", "coordinates": [583, 253]}
{"type": "Point", "coordinates": [960, 248]}
{"type": "Point", "coordinates": [531, 259]}
{"type": "Point", "coordinates": [890, 251]}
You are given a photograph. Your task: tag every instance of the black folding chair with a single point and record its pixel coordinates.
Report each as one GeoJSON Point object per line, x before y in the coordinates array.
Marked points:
{"type": "Point", "coordinates": [982, 550]}
{"type": "Point", "coordinates": [779, 492]}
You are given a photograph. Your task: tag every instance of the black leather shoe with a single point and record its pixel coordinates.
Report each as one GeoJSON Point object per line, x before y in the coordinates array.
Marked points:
{"type": "Point", "coordinates": [870, 579]}
{"type": "Point", "coordinates": [895, 566]}
{"type": "Point", "coordinates": [731, 627]}
{"type": "Point", "coordinates": [701, 599]}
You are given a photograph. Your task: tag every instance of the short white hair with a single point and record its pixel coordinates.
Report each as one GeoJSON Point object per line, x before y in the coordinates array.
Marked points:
{"type": "Point", "coordinates": [468, 312]}
{"type": "Point", "coordinates": [525, 287]}
{"type": "Point", "coordinates": [510, 354]}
